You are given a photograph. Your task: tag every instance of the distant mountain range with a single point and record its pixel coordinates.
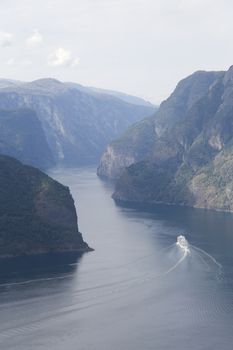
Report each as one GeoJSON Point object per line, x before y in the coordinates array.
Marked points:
{"type": "Point", "coordinates": [122, 96]}
{"type": "Point", "coordinates": [184, 153]}
{"type": "Point", "coordinates": [68, 124]}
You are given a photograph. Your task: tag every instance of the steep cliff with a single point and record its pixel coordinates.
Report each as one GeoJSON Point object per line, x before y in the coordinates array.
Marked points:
{"type": "Point", "coordinates": [22, 137]}
{"type": "Point", "coordinates": [160, 137]}
{"type": "Point", "coordinates": [37, 214]}
{"type": "Point", "coordinates": [190, 161]}
{"type": "Point", "coordinates": [133, 146]}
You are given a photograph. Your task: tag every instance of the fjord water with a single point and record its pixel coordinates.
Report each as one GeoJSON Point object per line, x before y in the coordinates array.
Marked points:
{"type": "Point", "coordinates": [137, 290]}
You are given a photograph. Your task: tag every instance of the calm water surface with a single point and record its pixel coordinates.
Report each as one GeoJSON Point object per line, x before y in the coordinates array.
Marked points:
{"type": "Point", "coordinates": [137, 291]}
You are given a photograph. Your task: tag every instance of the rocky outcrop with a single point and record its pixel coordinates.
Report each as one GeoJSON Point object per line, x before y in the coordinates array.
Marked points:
{"type": "Point", "coordinates": [133, 146]}
{"type": "Point", "coordinates": [77, 124]}
{"type": "Point", "coordinates": [113, 163]}
{"type": "Point", "coordinates": [189, 161]}
{"type": "Point", "coordinates": [37, 214]}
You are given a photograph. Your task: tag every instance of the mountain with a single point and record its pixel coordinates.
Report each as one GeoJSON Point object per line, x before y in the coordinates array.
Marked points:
{"type": "Point", "coordinates": [134, 145]}
{"type": "Point", "coordinates": [184, 154]}
{"type": "Point", "coordinates": [143, 140]}
{"type": "Point", "coordinates": [9, 83]}
{"type": "Point", "coordinates": [22, 137]}
{"type": "Point", "coordinates": [122, 96]}
{"type": "Point", "coordinates": [37, 214]}
{"type": "Point", "coordinates": [77, 124]}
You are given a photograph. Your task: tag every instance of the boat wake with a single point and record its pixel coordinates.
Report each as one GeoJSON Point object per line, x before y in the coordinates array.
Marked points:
{"type": "Point", "coordinates": [180, 264]}
{"type": "Point", "coordinates": [197, 258]}
{"type": "Point", "coordinates": [183, 245]}
{"type": "Point", "coordinates": [186, 252]}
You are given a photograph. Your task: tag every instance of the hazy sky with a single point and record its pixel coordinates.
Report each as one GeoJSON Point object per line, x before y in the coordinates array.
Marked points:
{"type": "Point", "coordinates": [142, 47]}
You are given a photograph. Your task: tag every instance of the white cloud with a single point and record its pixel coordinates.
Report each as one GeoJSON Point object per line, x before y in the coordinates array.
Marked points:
{"type": "Point", "coordinates": [10, 61]}
{"type": "Point", "coordinates": [75, 62]}
{"type": "Point", "coordinates": [59, 57]}
{"type": "Point", "coordinates": [26, 62]}
{"type": "Point", "coordinates": [143, 47]}
{"type": "Point", "coordinates": [62, 57]}
{"type": "Point", "coordinates": [6, 39]}
{"type": "Point", "coordinates": [13, 62]}
{"type": "Point", "coordinates": [35, 39]}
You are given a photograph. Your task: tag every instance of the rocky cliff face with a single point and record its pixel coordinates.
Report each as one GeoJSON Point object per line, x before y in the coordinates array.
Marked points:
{"type": "Point", "coordinates": [77, 124]}
{"type": "Point", "coordinates": [161, 137]}
{"type": "Point", "coordinates": [113, 163]}
{"type": "Point", "coordinates": [37, 214]}
{"type": "Point", "coordinates": [133, 146]}
{"type": "Point", "coordinates": [22, 137]}
{"type": "Point", "coordinates": [189, 159]}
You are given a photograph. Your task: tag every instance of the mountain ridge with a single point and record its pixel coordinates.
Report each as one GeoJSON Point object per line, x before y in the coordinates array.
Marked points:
{"type": "Point", "coordinates": [77, 125]}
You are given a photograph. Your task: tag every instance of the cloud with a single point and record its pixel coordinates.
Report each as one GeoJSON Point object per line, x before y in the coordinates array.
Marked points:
{"type": "Point", "coordinates": [6, 39]}
{"type": "Point", "coordinates": [75, 62]}
{"type": "Point", "coordinates": [13, 62]}
{"type": "Point", "coordinates": [35, 39]}
{"type": "Point", "coordinates": [26, 62]}
{"type": "Point", "coordinates": [62, 57]}
{"type": "Point", "coordinates": [10, 61]}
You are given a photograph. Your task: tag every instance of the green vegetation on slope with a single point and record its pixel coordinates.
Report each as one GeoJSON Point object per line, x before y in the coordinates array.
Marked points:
{"type": "Point", "coordinates": [37, 214]}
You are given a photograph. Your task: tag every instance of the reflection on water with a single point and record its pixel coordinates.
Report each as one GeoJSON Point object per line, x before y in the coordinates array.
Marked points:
{"type": "Point", "coordinates": [39, 264]}
{"type": "Point", "coordinates": [46, 274]}
{"type": "Point", "coordinates": [137, 290]}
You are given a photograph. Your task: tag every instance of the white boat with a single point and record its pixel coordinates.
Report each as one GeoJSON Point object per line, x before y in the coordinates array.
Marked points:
{"type": "Point", "coordinates": [183, 243]}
